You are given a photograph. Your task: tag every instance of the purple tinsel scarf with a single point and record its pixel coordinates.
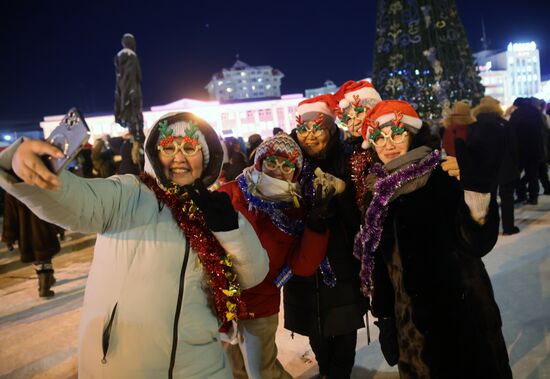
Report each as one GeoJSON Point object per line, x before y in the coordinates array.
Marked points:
{"type": "Point", "coordinates": [368, 238]}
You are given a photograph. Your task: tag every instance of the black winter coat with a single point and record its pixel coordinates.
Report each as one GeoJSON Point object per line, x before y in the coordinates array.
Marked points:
{"type": "Point", "coordinates": [452, 301]}
{"type": "Point", "coordinates": [311, 307]}
{"type": "Point", "coordinates": [36, 238]}
{"type": "Point", "coordinates": [528, 125]}
{"type": "Point", "coordinates": [509, 171]}
{"type": "Point", "coordinates": [127, 165]}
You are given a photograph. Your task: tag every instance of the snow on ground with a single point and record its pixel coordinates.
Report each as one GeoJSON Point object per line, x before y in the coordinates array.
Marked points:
{"type": "Point", "coordinates": [38, 337]}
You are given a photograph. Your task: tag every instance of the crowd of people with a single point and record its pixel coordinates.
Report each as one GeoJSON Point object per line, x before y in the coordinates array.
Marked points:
{"type": "Point", "coordinates": [526, 126]}
{"type": "Point", "coordinates": [360, 208]}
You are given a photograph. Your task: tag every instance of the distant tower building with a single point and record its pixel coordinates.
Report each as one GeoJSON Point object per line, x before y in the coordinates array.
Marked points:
{"type": "Point", "coordinates": [512, 73]}
{"type": "Point", "coordinates": [328, 87]}
{"type": "Point", "coordinates": [242, 82]}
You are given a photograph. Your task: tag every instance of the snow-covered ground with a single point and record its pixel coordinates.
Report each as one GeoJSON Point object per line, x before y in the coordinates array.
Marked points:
{"type": "Point", "coordinates": [38, 337]}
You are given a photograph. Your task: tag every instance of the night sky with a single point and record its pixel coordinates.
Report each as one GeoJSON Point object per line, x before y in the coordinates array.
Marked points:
{"type": "Point", "coordinates": [57, 54]}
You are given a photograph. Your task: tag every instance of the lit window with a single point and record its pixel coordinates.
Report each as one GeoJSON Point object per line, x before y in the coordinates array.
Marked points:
{"type": "Point", "coordinates": [243, 73]}
{"type": "Point", "coordinates": [229, 89]}
{"type": "Point", "coordinates": [220, 82]}
{"type": "Point", "coordinates": [260, 80]}
{"type": "Point", "coordinates": [268, 86]}
{"type": "Point", "coordinates": [253, 87]}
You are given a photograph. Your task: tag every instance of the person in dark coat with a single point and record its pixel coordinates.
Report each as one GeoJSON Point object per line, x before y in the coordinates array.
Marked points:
{"type": "Point", "coordinates": [528, 125]}
{"type": "Point", "coordinates": [421, 247]}
{"type": "Point", "coordinates": [127, 164]}
{"type": "Point", "coordinates": [103, 157]}
{"type": "Point", "coordinates": [37, 240]}
{"type": "Point", "coordinates": [85, 164]}
{"type": "Point", "coordinates": [456, 126]}
{"type": "Point", "coordinates": [254, 140]}
{"type": "Point", "coordinates": [327, 306]}
{"type": "Point", "coordinates": [355, 99]}
{"type": "Point", "coordinates": [489, 113]}
{"type": "Point", "coordinates": [237, 160]}
{"type": "Point", "coordinates": [543, 167]}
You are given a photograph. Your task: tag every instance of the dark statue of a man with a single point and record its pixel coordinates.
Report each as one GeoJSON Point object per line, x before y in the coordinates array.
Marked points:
{"type": "Point", "coordinates": [128, 88]}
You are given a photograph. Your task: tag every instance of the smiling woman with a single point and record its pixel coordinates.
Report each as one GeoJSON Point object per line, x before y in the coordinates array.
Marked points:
{"type": "Point", "coordinates": [315, 124]}
{"type": "Point", "coordinates": [181, 153]}
{"type": "Point", "coordinates": [420, 247]}
{"type": "Point", "coordinates": [170, 259]}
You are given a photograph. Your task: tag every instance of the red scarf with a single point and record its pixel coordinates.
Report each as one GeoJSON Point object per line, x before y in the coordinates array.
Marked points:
{"type": "Point", "coordinates": [215, 261]}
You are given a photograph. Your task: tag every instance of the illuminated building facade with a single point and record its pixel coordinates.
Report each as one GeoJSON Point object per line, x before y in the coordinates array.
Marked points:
{"type": "Point", "coordinates": [512, 73]}
{"type": "Point", "coordinates": [228, 119]}
{"type": "Point", "coordinates": [242, 82]}
{"type": "Point", "coordinates": [328, 87]}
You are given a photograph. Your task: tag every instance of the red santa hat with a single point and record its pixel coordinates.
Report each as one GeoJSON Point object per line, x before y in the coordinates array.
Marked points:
{"type": "Point", "coordinates": [351, 91]}
{"type": "Point", "coordinates": [398, 112]}
{"type": "Point", "coordinates": [324, 104]}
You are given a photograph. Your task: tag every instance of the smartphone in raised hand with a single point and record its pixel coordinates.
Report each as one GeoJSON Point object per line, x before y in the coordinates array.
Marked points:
{"type": "Point", "coordinates": [69, 136]}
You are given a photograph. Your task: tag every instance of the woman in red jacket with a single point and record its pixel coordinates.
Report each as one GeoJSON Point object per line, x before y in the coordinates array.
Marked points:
{"type": "Point", "coordinates": [456, 126]}
{"type": "Point", "coordinates": [268, 195]}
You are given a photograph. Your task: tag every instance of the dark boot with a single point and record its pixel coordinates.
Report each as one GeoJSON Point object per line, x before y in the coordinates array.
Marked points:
{"type": "Point", "coordinates": [44, 271]}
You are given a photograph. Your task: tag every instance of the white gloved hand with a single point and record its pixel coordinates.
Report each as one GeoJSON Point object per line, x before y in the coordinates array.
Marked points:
{"type": "Point", "coordinates": [328, 181]}
{"type": "Point", "coordinates": [478, 203]}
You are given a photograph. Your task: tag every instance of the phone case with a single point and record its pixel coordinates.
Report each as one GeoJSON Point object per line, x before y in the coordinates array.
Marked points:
{"type": "Point", "coordinates": [70, 136]}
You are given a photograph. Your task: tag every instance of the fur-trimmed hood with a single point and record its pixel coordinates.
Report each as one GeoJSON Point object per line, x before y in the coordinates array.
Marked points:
{"type": "Point", "coordinates": [153, 165]}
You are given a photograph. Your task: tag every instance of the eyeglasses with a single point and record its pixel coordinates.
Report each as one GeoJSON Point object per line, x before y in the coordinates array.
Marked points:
{"type": "Point", "coordinates": [303, 130]}
{"type": "Point", "coordinates": [272, 163]}
{"type": "Point", "coordinates": [381, 138]}
{"type": "Point", "coordinates": [351, 121]}
{"type": "Point", "coordinates": [171, 149]}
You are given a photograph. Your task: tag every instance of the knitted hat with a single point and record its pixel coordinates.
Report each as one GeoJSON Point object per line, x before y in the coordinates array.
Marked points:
{"type": "Point", "coordinates": [461, 114]}
{"type": "Point", "coordinates": [281, 145]}
{"type": "Point", "coordinates": [351, 91]}
{"type": "Point", "coordinates": [396, 112]}
{"type": "Point", "coordinates": [310, 108]}
{"type": "Point", "coordinates": [184, 129]}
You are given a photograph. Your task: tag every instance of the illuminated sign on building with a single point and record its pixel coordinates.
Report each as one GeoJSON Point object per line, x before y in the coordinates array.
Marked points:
{"type": "Point", "coordinates": [527, 46]}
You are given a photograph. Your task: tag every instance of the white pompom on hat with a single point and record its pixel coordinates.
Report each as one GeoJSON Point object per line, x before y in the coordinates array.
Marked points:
{"type": "Point", "coordinates": [387, 111]}
{"type": "Point", "coordinates": [362, 90]}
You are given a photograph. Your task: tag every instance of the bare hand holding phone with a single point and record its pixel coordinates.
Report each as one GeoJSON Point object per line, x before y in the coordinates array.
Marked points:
{"type": "Point", "coordinates": [28, 165]}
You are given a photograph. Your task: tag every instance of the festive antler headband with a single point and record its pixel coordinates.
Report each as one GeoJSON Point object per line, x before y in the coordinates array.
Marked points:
{"type": "Point", "coordinates": [167, 137]}
{"type": "Point", "coordinates": [397, 126]}
{"type": "Point", "coordinates": [317, 122]}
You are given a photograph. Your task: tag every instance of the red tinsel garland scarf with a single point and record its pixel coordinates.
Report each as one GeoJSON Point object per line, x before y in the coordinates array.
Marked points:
{"type": "Point", "coordinates": [360, 163]}
{"type": "Point", "coordinates": [214, 259]}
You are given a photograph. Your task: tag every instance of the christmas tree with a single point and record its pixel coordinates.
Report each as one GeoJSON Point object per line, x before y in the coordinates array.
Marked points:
{"type": "Point", "coordinates": [422, 56]}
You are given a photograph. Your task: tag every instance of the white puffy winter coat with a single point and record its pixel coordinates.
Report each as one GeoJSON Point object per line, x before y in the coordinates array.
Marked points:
{"type": "Point", "coordinates": [145, 306]}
